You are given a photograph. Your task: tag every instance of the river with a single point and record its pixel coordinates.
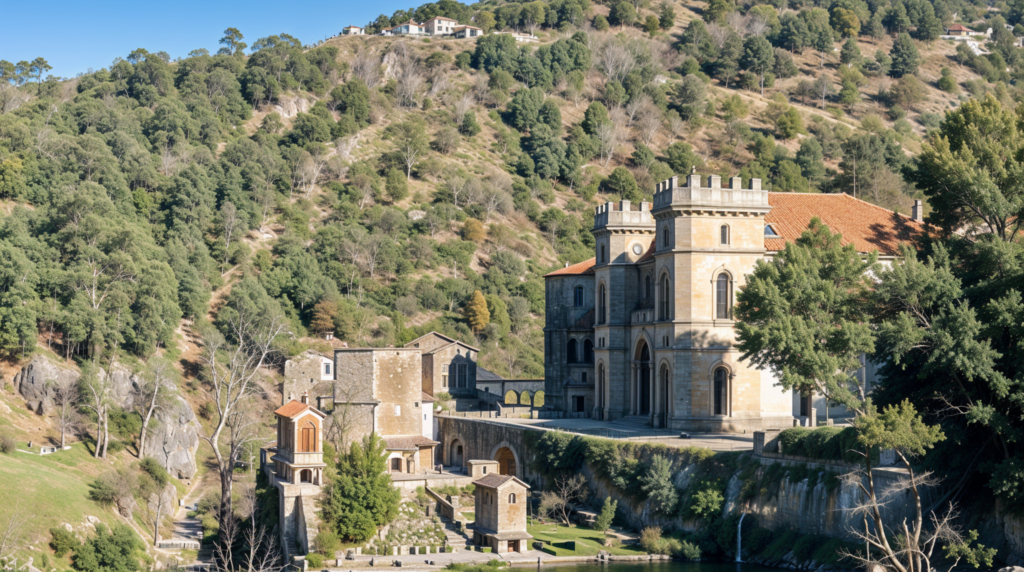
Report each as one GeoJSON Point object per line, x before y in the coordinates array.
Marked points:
{"type": "Point", "coordinates": [660, 566]}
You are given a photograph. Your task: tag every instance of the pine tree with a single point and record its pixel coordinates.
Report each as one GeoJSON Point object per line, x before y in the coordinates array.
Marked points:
{"type": "Point", "coordinates": [604, 520]}
{"type": "Point", "coordinates": [850, 54]}
{"type": "Point", "coordinates": [476, 312]}
{"type": "Point", "coordinates": [359, 498]}
{"type": "Point", "coordinates": [904, 56]}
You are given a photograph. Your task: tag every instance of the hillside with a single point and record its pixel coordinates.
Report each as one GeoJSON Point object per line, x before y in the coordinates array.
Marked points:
{"type": "Point", "coordinates": [371, 185]}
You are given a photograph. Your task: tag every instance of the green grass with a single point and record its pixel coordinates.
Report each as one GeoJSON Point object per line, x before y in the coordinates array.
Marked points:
{"type": "Point", "coordinates": [53, 488]}
{"type": "Point", "coordinates": [469, 514]}
{"type": "Point", "coordinates": [588, 541]}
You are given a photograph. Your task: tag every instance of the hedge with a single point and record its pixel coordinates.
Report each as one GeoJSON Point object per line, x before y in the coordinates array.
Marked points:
{"type": "Point", "coordinates": [825, 443]}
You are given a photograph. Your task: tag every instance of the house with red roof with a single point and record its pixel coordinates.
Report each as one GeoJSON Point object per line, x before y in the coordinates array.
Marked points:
{"type": "Point", "coordinates": [644, 332]}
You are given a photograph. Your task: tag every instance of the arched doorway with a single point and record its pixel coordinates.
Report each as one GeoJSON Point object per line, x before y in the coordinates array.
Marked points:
{"type": "Point", "coordinates": [642, 367]}
{"type": "Point", "coordinates": [538, 399]}
{"type": "Point", "coordinates": [455, 454]}
{"type": "Point", "coordinates": [524, 398]}
{"type": "Point", "coordinates": [720, 394]}
{"type": "Point", "coordinates": [506, 461]}
{"type": "Point", "coordinates": [511, 397]}
{"type": "Point", "coordinates": [305, 476]}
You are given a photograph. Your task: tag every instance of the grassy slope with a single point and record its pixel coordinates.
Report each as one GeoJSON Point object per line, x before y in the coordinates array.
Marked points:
{"type": "Point", "coordinates": [588, 542]}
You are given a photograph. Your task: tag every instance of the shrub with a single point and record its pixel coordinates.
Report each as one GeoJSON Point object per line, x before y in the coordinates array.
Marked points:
{"type": "Point", "coordinates": [688, 551]}
{"type": "Point", "coordinates": [803, 549]}
{"type": "Point", "coordinates": [7, 444]}
{"type": "Point", "coordinates": [604, 520]}
{"type": "Point", "coordinates": [327, 542]}
{"type": "Point", "coordinates": [316, 561]}
{"type": "Point", "coordinates": [62, 541]}
{"type": "Point", "coordinates": [650, 539]}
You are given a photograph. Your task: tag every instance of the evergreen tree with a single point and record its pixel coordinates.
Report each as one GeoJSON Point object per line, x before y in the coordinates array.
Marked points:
{"type": "Point", "coordinates": [850, 54]}
{"type": "Point", "coordinates": [358, 497]}
{"type": "Point", "coordinates": [666, 16]}
{"type": "Point", "coordinates": [476, 312]}
{"type": "Point", "coordinates": [717, 10]}
{"type": "Point", "coordinates": [604, 520]}
{"type": "Point", "coordinates": [758, 57]}
{"type": "Point", "coordinates": [928, 25]}
{"type": "Point", "coordinates": [904, 56]}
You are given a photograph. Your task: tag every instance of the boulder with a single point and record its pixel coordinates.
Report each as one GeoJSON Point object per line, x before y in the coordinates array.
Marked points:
{"type": "Point", "coordinates": [34, 382]}
{"type": "Point", "coordinates": [172, 439]}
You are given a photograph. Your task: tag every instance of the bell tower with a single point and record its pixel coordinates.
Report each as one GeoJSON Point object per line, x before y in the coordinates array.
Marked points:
{"type": "Point", "coordinates": [296, 469]}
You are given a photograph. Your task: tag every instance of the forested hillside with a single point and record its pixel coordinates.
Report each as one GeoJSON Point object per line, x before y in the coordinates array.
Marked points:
{"type": "Point", "coordinates": [383, 187]}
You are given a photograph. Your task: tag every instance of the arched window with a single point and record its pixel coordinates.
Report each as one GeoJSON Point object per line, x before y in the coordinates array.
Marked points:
{"type": "Point", "coordinates": [600, 385]}
{"type": "Point", "coordinates": [512, 498]}
{"type": "Point", "coordinates": [602, 304]}
{"type": "Point", "coordinates": [570, 351]}
{"type": "Point", "coordinates": [666, 294]}
{"type": "Point", "coordinates": [588, 351]}
{"type": "Point", "coordinates": [577, 298]}
{"type": "Point", "coordinates": [305, 476]}
{"type": "Point", "coordinates": [648, 293]}
{"type": "Point", "coordinates": [723, 297]}
{"type": "Point", "coordinates": [721, 391]}
{"type": "Point", "coordinates": [665, 239]}
{"type": "Point", "coordinates": [601, 259]}
{"type": "Point", "coordinates": [724, 234]}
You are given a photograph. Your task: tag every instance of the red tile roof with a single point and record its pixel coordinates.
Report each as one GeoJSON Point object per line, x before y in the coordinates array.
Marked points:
{"type": "Point", "coordinates": [293, 409]}
{"type": "Point", "coordinates": [585, 267]}
{"type": "Point", "coordinates": [958, 28]}
{"type": "Point", "coordinates": [647, 255]}
{"type": "Point", "coordinates": [866, 226]}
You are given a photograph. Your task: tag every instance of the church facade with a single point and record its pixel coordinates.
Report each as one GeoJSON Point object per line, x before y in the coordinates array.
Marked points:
{"type": "Point", "coordinates": [645, 329]}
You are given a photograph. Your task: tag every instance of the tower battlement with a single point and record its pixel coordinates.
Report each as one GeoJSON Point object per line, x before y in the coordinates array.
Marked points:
{"type": "Point", "coordinates": [623, 213]}
{"type": "Point", "coordinates": [693, 194]}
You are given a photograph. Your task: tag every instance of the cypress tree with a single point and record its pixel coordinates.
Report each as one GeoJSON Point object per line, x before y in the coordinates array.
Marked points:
{"type": "Point", "coordinates": [476, 312]}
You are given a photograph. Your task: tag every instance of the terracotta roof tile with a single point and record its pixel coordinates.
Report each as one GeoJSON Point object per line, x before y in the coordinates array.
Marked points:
{"type": "Point", "coordinates": [294, 408]}
{"type": "Point", "coordinates": [866, 226]}
{"type": "Point", "coordinates": [426, 397]}
{"type": "Point", "coordinates": [585, 267]}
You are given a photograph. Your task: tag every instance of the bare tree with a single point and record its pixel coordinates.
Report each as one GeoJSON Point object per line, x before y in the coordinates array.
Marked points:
{"type": "Point", "coordinates": [65, 400]}
{"type": "Point", "coordinates": [634, 107]}
{"type": "Point", "coordinates": [568, 490]}
{"type": "Point", "coordinates": [155, 391]}
{"type": "Point", "coordinates": [649, 122]}
{"type": "Point", "coordinates": [410, 81]}
{"type": "Point", "coordinates": [366, 68]}
{"type": "Point", "coordinates": [12, 530]}
{"type": "Point", "coordinates": [461, 106]}
{"type": "Point", "coordinates": [455, 182]}
{"type": "Point", "coordinates": [97, 388]}
{"type": "Point", "coordinates": [159, 502]}
{"type": "Point", "coordinates": [230, 373]}
{"type": "Point", "coordinates": [676, 125]}
{"type": "Point", "coordinates": [615, 60]}
{"type": "Point", "coordinates": [607, 141]}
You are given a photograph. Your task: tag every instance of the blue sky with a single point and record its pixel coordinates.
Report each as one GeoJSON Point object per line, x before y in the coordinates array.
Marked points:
{"type": "Point", "coordinates": [76, 36]}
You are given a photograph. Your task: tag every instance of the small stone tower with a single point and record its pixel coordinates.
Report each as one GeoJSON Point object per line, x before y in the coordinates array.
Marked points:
{"type": "Point", "coordinates": [296, 469]}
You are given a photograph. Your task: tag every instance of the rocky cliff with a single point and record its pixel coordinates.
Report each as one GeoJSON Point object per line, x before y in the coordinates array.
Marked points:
{"type": "Point", "coordinates": [173, 435]}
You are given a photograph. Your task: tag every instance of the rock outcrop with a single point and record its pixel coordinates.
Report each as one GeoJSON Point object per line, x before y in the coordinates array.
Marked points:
{"type": "Point", "coordinates": [173, 435]}
{"type": "Point", "coordinates": [35, 382]}
{"type": "Point", "coordinates": [172, 439]}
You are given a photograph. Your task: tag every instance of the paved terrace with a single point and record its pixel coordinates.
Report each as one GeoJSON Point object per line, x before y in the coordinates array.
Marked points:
{"type": "Point", "coordinates": [612, 430]}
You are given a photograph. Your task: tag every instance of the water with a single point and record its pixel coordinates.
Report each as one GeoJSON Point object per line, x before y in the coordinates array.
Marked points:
{"type": "Point", "coordinates": [659, 566]}
{"type": "Point", "coordinates": [739, 538]}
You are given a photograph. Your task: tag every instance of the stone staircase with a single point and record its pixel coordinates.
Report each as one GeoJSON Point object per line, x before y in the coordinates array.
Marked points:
{"type": "Point", "coordinates": [455, 538]}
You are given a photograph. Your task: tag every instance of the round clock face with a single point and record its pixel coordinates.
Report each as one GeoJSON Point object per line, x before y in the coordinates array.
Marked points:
{"type": "Point", "coordinates": [638, 249]}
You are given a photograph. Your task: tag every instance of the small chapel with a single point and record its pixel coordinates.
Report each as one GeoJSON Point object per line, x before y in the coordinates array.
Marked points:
{"type": "Point", "coordinates": [295, 466]}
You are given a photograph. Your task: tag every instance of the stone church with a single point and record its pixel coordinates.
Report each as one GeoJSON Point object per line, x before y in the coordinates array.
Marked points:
{"type": "Point", "coordinates": [645, 329]}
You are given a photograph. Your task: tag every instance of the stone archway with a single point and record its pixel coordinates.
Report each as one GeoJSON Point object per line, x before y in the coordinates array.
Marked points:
{"type": "Point", "coordinates": [513, 463]}
{"type": "Point", "coordinates": [456, 454]}
{"type": "Point", "coordinates": [506, 461]}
